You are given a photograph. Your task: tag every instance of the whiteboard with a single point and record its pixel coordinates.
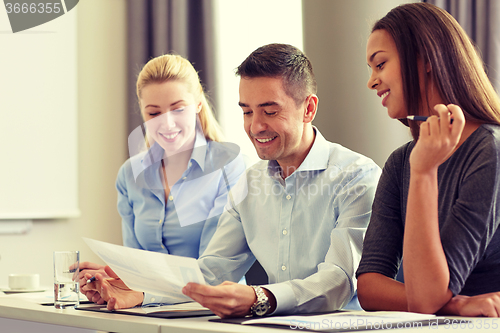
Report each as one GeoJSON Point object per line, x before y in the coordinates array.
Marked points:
{"type": "Point", "coordinates": [38, 120]}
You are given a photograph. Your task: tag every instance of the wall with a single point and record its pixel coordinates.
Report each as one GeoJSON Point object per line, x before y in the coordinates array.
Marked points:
{"type": "Point", "coordinates": [335, 35]}
{"type": "Point", "coordinates": [242, 27]}
{"type": "Point", "coordinates": [348, 112]}
{"type": "Point", "coordinates": [38, 107]}
{"type": "Point", "coordinates": [102, 148]}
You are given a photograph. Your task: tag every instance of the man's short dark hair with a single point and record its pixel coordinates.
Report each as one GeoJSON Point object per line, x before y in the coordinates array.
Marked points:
{"type": "Point", "coordinates": [284, 61]}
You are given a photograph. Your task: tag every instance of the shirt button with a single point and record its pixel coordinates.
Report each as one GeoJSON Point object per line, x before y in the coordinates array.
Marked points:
{"type": "Point", "coordinates": [283, 268]}
{"type": "Point", "coordinates": [288, 197]}
{"type": "Point", "coordinates": [190, 164]}
{"type": "Point", "coordinates": [184, 178]}
{"type": "Point", "coordinates": [171, 198]}
{"type": "Point", "coordinates": [163, 247]}
{"type": "Point", "coordinates": [153, 299]}
{"type": "Point", "coordinates": [160, 221]}
{"type": "Point", "coordinates": [285, 232]}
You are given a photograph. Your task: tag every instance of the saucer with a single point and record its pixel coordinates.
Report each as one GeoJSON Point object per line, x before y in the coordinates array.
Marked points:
{"type": "Point", "coordinates": [19, 291]}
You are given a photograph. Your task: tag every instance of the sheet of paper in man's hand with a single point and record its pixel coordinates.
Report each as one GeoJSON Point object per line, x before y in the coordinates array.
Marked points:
{"type": "Point", "coordinates": [152, 272]}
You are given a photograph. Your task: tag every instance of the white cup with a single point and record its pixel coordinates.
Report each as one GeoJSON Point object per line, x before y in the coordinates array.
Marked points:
{"type": "Point", "coordinates": [24, 281]}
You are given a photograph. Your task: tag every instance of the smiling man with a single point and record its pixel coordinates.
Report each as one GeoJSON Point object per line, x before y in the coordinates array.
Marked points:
{"type": "Point", "coordinates": [306, 207]}
{"type": "Point", "coordinates": [302, 212]}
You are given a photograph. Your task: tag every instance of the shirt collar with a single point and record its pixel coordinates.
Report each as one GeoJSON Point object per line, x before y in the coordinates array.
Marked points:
{"type": "Point", "coordinates": [318, 156]}
{"type": "Point", "coordinates": [200, 149]}
{"type": "Point", "coordinates": [316, 159]}
{"type": "Point", "coordinates": [152, 155]}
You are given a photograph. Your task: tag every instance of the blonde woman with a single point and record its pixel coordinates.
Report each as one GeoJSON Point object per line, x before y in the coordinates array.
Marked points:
{"type": "Point", "coordinates": [171, 195]}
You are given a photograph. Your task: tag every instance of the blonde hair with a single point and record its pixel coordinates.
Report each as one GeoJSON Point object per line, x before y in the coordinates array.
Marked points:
{"type": "Point", "coordinates": [174, 67]}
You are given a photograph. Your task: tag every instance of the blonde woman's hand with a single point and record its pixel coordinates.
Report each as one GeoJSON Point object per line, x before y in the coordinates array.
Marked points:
{"type": "Point", "coordinates": [115, 292]}
{"type": "Point", "coordinates": [88, 270]}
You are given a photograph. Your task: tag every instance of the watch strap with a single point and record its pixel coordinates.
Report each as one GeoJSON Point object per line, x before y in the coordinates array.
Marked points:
{"type": "Point", "coordinates": [261, 306]}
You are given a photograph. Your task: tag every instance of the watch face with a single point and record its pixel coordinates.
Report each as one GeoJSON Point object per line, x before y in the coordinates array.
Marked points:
{"type": "Point", "coordinates": [261, 309]}
{"type": "Point", "coordinates": [261, 306]}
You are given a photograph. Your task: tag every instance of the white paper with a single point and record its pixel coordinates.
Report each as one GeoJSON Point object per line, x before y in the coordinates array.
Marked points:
{"type": "Point", "coordinates": [350, 320]}
{"type": "Point", "coordinates": [152, 272]}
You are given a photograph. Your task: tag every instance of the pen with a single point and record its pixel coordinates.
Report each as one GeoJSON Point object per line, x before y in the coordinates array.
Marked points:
{"type": "Point", "coordinates": [92, 279]}
{"type": "Point", "coordinates": [417, 118]}
{"type": "Point", "coordinates": [422, 118]}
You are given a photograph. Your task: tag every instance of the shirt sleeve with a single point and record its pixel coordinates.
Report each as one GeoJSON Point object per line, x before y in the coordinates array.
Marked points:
{"type": "Point", "coordinates": [230, 175]}
{"type": "Point", "coordinates": [125, 210]}
{"type": "Point", "coordinates": [383, 243]}
{"type": "Point", "coordinates": [473, 220]}
{"type": "Point", "coordinates": [227, 257]}
{"type": "Point", "coordinates": [334, 284]}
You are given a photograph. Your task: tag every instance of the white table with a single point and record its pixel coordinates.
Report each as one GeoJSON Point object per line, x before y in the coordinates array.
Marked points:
{"type": "Point", "coordinates": [27, 315]}
{"type": "Point", "coordinates": [21, 315]}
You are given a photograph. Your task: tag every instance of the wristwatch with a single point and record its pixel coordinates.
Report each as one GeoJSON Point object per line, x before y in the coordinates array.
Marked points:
{"type": "Point", "coordinates": [261, 306]}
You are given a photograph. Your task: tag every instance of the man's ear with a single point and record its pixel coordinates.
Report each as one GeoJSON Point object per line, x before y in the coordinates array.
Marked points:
{"type": "Point", "coordinates": [311, 106]}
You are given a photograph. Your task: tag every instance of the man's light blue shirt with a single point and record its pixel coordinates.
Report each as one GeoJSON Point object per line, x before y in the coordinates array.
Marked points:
{"type": "Point", "coordinates": [306, 231]}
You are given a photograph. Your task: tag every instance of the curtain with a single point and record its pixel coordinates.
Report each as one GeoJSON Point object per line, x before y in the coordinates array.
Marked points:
{"type": "Point", "coordinates": [157, 27]}
{"type": "Point", "coordinates": [481, 20]}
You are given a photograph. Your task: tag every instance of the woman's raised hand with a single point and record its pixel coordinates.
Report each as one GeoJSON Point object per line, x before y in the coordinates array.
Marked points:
{"type": "Point", "coordinates": [438, 138]}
